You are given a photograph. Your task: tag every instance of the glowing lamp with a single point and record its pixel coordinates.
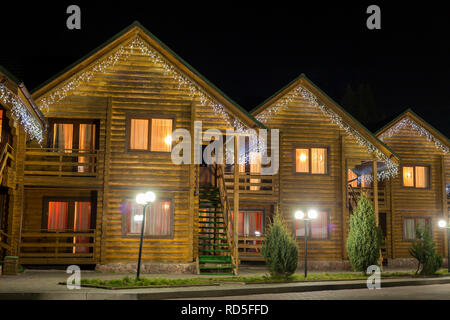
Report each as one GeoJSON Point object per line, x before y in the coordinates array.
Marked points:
{"type": "Point", "coordinates": [312, 214]}
{"type": "Point", "coordinates": [299, 215]}
{"type": "Point", "coordinates": [442, 223]}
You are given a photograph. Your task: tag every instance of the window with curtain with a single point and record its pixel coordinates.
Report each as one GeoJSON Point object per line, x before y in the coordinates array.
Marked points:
{"type": "Point", "coordinates": [63, 137]}
{"type": "Point", "coordinates": [411, 224]}
{"type": "Point", "coordinates": [82, 223]}
{"type": "Point", "coordinates": [58, 216]}
{"type": "Point", "coordinates": [416, 176]}
{"type": "Point", "coordinates": [255, 168]}
{"type": "Point", "coordinates": [318, 228]}
{"type": "Point", "coordinates": [158, 219]}
{"type": "Point", "coordinates": [151, 134]}
{"type": "Point", "coordinates": [311, 160]}
{"type": "Point", "coordinates": [250, 223]}
{"type": "Point", "coordinates": [86, 145]}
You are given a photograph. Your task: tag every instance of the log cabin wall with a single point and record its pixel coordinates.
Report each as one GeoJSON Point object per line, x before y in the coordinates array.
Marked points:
{"type": "Point", "coordinates": [135, 86]}
{"type": "Point", "coordinates": [303, 125]}
{"type": "Point", "coordinates": [414, 149]}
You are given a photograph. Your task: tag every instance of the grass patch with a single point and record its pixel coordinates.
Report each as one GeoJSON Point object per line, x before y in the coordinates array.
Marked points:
{"type": "Point", "coordinates": [157, 282]}
{"type": "Point", "coordinates": [144, 282]}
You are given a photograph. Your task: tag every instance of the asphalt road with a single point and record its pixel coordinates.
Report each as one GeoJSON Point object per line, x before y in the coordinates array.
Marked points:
{"type": "Point", "coordinates": [426, 292]}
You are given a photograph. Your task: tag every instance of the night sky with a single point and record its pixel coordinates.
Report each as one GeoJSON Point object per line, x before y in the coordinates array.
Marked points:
{"type": "Point", "coordinates": [252, 51]}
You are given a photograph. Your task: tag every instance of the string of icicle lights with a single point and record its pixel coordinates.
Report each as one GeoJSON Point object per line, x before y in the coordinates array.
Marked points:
{"type": "Point", "coordinates": [408, 123]}
{"type": "Point", "coordinates": [21, 114]}
{"type": "Point", "coordinates": [391, 167]}
{"type": "Point", "coordinates": [123, 52]}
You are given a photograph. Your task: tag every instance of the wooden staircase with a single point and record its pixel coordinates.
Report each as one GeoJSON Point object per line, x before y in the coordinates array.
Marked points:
{"type": "Point", "coordinates": [214, 252]}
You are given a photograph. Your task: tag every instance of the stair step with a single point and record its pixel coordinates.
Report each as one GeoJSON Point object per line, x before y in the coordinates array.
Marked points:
{"type": "Point", "coordinates": [221, 239]}
{"type": "Point", "coordinates": [212, 222]}
{"type": "Point", "coordinates": [206, 227]}
{"type": "Point", "coordinates": [205, 232]}
{"type": "Point", "coordinates": [213, 244]}
{"type": "Point", "coordinates": [216, 267]}
{"type": "Point", "coordinates": [214, 250]}
{"type": "Point", "coordinates": [217, 273]}
{"type": "Point", "coordinates": [215, 260]}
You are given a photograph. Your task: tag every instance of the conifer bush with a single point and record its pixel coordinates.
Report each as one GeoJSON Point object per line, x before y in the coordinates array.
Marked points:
{"type": "Point", "coordinates": [424, 251]}
{"type": "Point", "coordinates": [363, 242]}
{"type": "Point", "coordinates": [280, 249]}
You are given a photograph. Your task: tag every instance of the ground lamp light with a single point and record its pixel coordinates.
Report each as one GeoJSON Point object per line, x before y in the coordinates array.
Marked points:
{"type": "Point", "coordinates": [144, 199]}
{"type": "Point", "coordinates": [300, 215]}
{"type": "Point", "coordinates": [444, 225]}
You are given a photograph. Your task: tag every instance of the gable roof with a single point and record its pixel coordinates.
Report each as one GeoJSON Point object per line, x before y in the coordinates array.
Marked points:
{"type": "Point", "coordinates": [420, 121]}
{"type": "Point", "coordinates": [348, 118]}
{"type": "Point", "coordinates": [21, 90]}
{"type": "Point", "coordinates": [137, 29]}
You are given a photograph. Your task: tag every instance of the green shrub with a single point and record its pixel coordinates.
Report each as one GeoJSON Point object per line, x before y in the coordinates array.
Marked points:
{"type": "Point", "coordinates": [364, 238]}
{"type": "Point", "coordinates": [280, 249]}
{"type": "Point", "coordinates": [424, 251]}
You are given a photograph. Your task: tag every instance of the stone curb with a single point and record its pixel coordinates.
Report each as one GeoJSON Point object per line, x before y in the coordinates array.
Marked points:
{"type": "Point", "coordinates": [207, 293]}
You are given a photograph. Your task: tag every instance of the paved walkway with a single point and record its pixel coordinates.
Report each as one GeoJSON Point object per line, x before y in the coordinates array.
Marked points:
{"type": "Point", "coordinates": [43, 284]}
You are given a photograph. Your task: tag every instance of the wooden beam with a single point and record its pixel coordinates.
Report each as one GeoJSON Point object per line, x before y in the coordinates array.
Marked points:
{"type": "Point", "coordinates": [106, 164]}
{"type": "Point", "coordinates": [375, 190]}
{"type": "Point", "coordinates": [192, 186]}
{"type": "Point", "coordinates": [344, 212]}
{"type": "Point", "coordinates": [236, 196]}
{"type": "Point", "coordinates": [444, 204]}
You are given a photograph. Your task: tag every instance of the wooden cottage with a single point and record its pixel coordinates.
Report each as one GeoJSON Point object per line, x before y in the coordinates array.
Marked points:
{"type": "Point", "coordinates": [111, 117]}
{"type": "Point", "coordinates": [327, 158]}
{"type": "Point", "coordinates": [20, 120]}
{"type": "Point", "coordinates": [420, 194]}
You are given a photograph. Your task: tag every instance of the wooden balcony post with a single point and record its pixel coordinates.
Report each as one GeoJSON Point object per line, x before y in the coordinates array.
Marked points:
{"type": "Point", "coordinates": [445, 212]}
{"type": "Point", "coordinates": [236, 198]}
{"type": "Point", "coordinates": [375, 202]}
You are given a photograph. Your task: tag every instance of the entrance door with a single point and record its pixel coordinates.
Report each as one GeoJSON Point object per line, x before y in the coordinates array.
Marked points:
{"type": "Point", "coordinates": [205, 172]}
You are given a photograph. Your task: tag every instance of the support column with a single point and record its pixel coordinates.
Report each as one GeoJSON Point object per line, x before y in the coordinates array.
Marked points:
{"type": "Point", "coordinates": [236, 199]}
{"type": "Point", "coordinates": [445, 214]}
{"type": "Point", "coordinates": [375, 202]}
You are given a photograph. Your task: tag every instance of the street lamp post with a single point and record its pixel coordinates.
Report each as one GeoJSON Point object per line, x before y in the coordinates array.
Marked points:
{"type": "Point", "coordinates": [144, 199]}
{"type": "Point", "coordinates": [300, 215]}
{"type": "Point", "coordinates": [443, 224]}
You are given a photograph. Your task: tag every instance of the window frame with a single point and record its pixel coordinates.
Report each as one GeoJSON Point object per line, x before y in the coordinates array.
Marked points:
{"type": "Point", "coordinates": [149, 117]}
{"type": "Point", "coordinates": [415, 226]}
{"type": "Point", "coordinates": [310, 238]}
{"type": "Point", "coordinates": [428, 187]}
{"type": "Point", "coordinates": [47, 199]}
{"type": "Point", "coordinates": [125, 218]}
{"type": "Point", "coordinates": [76, 124]}
{"type": "Point", "coordinates": [309, 147]}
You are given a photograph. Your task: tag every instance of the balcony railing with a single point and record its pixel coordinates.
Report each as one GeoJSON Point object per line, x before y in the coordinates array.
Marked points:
{"type": "Point", "coordinates": [46, 247]}
{"type": "Point", "coordinates": [252, 184]}
{"type": "Point", "coordinates": [61, 162]}
{"type": "Point", "coordinates": [250, 248]}
{"type": "Point", "coordinates": [353, 195]}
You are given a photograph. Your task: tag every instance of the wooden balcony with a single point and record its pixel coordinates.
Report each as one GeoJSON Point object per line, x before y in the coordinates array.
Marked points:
{"type": "Point", "coordinates": [61, 167]}
{"type": "Point", "coordinates": [57, 247]}
{"type": "Point", "coordinates": [253, 187]}
{"type": "Point", "coordinates": [354, 193]}
{"type": "Point", "coordinates": [250, 248]}
{"type": "Point", "coordinates": [7, 174]}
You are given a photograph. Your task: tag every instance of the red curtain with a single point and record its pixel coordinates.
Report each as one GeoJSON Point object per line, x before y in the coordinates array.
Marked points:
{"type": "Point", "coordinates": [58, 216]}
{"type": "Point", "coordinates": [86, 144]}
{"type": "Point", "coordinates": [63, 136]}
{"type": "Point", "coordinates": [82, 223]}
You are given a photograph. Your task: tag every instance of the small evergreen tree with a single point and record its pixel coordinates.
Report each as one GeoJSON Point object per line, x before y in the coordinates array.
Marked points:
{"type": "Point", "coordinates": [363, 242]}
{"type": "Point", "coordinates": [280, 249]}
{"type": "Point", "coordinates": [424, 251]}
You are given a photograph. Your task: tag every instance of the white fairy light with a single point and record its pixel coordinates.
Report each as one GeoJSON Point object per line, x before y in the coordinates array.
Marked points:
{"type": "Point", "coordinates": [21, 114]}
{"type": "Point", "coordinates": [408, 123]}
{"type": "Point", "coordinates": [391, 167]}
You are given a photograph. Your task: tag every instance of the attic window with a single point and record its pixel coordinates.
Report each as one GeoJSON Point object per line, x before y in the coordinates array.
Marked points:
{"type": "Point", "coordinates": [150, 134]}
{"type": "Point", "coordinates": [416, 176]}
{"type": "Point", "coordinates": [311, 160]}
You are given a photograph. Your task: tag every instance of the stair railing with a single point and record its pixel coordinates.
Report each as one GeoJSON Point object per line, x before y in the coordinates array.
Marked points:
{"type": "Point", "coordinates": [7, 153]}
{"type": "Point", "coordinates": [228, 217]}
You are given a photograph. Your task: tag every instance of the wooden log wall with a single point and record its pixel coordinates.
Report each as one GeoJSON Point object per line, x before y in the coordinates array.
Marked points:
{"type": "Point", "coordinates": [140, 87]}
{"type": "Point", "coordinates": [301, 125]}
{"type": "Point", "coordinates": [412, 202]}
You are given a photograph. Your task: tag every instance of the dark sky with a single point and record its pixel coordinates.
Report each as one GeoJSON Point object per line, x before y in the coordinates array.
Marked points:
{"type": "Point", "coordinates": [251, 51]}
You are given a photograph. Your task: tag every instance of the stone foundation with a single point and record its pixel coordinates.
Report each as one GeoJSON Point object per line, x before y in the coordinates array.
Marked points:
{"type": "Point", "coordinates": [408, 263]}
{"type": "Point", "coordinates": [148, 268]}
{"type": "Point", "coordinates": [326, 265]}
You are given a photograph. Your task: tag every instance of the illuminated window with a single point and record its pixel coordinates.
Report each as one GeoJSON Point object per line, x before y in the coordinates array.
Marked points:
{"type": "Point", "coordinates": [151, 134]}
{"type": "Point", "coordinates": [411, 224]}
{"type": "Point", "coordinates": [311, 160]}
{"type": "Point", "coordinates": [158, 219]}
{"type": "Point", "coordinates": [318, 228]}
{"type": "Point", "coordinates": [416, 176]}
